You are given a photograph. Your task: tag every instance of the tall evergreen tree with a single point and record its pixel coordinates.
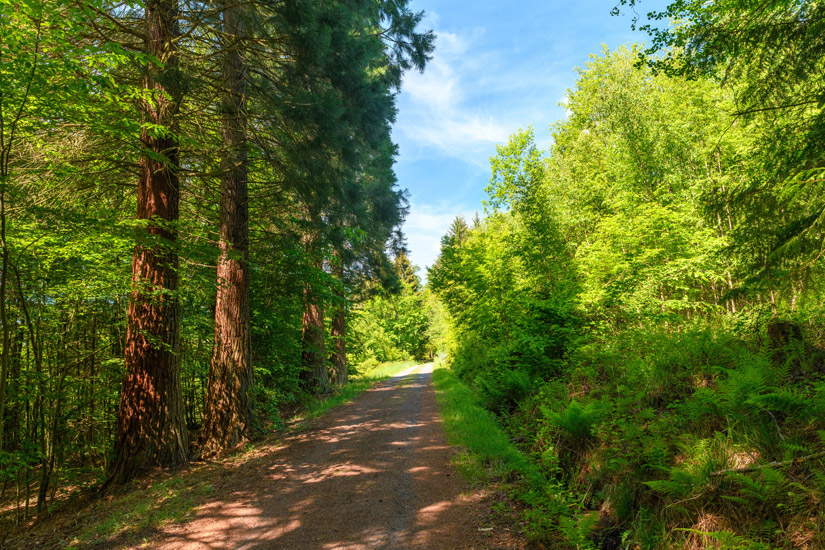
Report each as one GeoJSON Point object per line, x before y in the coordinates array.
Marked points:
{"type": "Point", "coordinates": [228, 414]}
{"type": "Point", "coordinates": [374, 43]}
{"type": "Point", "coordinates": [150, 428]}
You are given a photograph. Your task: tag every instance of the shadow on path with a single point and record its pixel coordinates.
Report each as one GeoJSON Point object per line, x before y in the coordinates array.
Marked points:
{"type": "Point", "coordinates": [372, 474]}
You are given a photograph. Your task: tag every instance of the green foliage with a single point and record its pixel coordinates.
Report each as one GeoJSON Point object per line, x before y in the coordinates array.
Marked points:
{"type": "Point", "coordinates": [392, 327]}
{"type": "Point", "coordinates": [319, 100]}
{"type": "Point", "coordinates": [767, 56]}
{"type": "Point", "coordinates": [578, 421]}
{"type": "Point", "coordinates": [629, 313]}
{"type": "Point", "coordinates": [471, 426]}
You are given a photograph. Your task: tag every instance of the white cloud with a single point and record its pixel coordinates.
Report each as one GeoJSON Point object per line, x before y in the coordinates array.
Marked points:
{"type": "Point", "coordinates": [424, 227]}
{"type": "Point", "coordinates": [470, 98]}
{"type": "Point", "coordinates": [440, 112]}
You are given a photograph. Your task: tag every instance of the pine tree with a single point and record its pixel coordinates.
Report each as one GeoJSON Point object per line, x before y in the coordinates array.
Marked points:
{"type": "Point", "coordinates": [406, 271]}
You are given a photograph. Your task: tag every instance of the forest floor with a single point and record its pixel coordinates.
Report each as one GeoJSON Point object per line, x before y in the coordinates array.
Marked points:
{"type": "Point", "coordinates": [372, 474]}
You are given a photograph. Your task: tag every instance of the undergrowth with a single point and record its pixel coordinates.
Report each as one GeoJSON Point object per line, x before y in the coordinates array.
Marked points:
{"type": "Point", "coordinates": [488, 450]}
{"type": "Point", "coordinates": [488, 454]}
{"type": "Point", "coordinates": [658, 440]}
{"type": "Point", "coordinates": [143, 509]}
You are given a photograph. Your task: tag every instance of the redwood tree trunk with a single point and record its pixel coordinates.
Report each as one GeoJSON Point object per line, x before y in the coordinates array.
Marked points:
{"type": "Point", "coordinates": [313, 355]}
{"type": "Point", "coordinates": [314, 350]}
{"type": "Point", "coordinates": [150, 427]}
{"type": "Point", "coordinates": [338, 331]}
{"type": "Point", "coordinates": [339, 353]}
{"type": "Point", "coordinates": [228, 415]}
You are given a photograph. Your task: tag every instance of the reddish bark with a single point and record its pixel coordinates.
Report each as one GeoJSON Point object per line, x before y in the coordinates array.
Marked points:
{"type": "Point", "coordinates": [150, 427]}
{"type": "Point", "coordinates": [315, 375]}
{"type": "Point", "coordinates": [338, 358]}
{"type": "Point", "coordinates": [338, 331]}
{"type": "Point", "coordinates": [228, 414]}
{"type": "Point", "coordinates": [313, 356]}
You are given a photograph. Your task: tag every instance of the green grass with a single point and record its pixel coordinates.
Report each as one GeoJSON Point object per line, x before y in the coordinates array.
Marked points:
{"type": "Point", "coordinates": [385, 370]}
{"type": "Point", "coordinates": [488, 451]}
{"type": "Point", "coordinates": [490, 456]}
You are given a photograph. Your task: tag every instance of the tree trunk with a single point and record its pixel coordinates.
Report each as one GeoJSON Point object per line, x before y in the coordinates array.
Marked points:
{"type": "Point", "coordinates": [90, 430]}
{"type": "Point", "coordinates": [338, 330]}
{"type": "Point", "coordinates": [339, 336]}
{"type": "Point", "coordinates": [150, 429]}
{"type": "Point", "coordinates": [228, 413]}
{"type": "Point", "coordinates": [4, 275]}
{"type": "Point", "coordinates": [313, 354]}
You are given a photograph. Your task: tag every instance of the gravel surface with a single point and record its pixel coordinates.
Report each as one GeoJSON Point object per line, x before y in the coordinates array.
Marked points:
{"type": "Point", "coordinates": [373, 474]}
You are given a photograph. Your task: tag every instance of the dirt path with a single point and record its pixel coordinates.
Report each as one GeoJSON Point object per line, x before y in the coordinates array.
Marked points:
{"type": "Point", "coordinates": [374, 474]}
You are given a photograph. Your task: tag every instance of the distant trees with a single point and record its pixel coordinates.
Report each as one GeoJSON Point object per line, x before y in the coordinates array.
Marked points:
{"type": "Point", "coordinates": [393, 326]}
{"type": "Point", "coordinates": [252, 140]}
{"type": "Point", "coordinates": [630, 217]}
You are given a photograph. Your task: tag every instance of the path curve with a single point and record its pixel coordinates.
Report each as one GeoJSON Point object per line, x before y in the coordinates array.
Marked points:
{"type": "Point", "coordinates": [373, 474]}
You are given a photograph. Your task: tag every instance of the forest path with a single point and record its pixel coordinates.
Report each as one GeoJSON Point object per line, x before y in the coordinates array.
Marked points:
{"type": "Point", "coordinates": [372, 474]}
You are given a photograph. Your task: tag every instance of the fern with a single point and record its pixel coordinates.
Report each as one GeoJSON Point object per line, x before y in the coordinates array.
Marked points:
{"type": "Point", "coordinates": [730, 541]}
{"type": "Point", "coordinates": [784, 400]}
{"type": "Point", "coordinates": [575, 419]}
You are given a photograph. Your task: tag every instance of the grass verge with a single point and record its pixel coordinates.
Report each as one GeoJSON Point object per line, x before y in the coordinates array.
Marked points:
{"type": "Point", "coordinates": [138, 512]}
{"type": "Point", "coordinates": [488, 455]}
{"type": "Point", "coordinates": [488, 451]}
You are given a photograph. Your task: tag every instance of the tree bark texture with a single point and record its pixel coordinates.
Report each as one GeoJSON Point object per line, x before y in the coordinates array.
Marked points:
{"type": "Point", "coordinates": [313, 354]}
{"type": "Point", "coordinates": [338, 330]}
{"type": "Point", "coordinates": [150, 427]}
{"type": "Point", "coordinates": [228, 413]}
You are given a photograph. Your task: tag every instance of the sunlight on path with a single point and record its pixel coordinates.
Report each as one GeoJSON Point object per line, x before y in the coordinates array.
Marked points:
{"type": "Point", "coordinates": [374, 473]}
{"type": "Point", "coordinates": [424, 368]}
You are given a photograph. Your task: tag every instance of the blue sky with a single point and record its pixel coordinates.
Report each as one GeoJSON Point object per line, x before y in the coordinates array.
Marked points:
{"type": "Point", "coordinates": [498, 66]}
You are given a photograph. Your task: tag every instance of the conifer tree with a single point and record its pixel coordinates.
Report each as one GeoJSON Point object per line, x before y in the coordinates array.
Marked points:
{"type": "Point", "coordinates": [375, 58]}
{"type": "Point", "coordinates": [406, 271]}
{"type": "Point", "coordinates": [150, 428]}
{"type": "Point", "coordinates": [228, 413]}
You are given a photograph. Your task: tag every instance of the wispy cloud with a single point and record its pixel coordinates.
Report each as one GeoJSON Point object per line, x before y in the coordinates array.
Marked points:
{"type": "Point", "coordinates": [439, 111]}
{"type": "Point", "coordinates": [470, 98]}
{"type": "Point", "coordinates": [497, 67]}
{"type": "Point", "coordinates": [424, 227]}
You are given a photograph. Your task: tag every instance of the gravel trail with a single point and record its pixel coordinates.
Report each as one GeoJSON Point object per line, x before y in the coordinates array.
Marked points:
{"type": "Point", "coordinates": [373, 474]}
